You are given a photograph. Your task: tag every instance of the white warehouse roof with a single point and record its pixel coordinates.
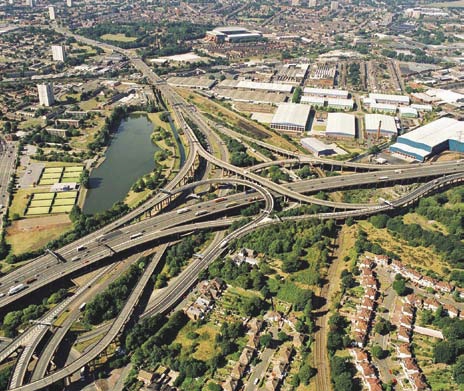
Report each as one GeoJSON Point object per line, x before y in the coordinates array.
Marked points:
{"type": "Point", "coordinates": [292, 114]}
{"type": "Point", "coordinates": [404, 99]}
{"type": "Point", "coordinates": [340, 102]}
{"type": "Point", "coordinates": [264, 86]}
{"type": "Point", "coordinates": [387, 123]}
{"type": "Point", "coordinates": [408, 111]}
{"type": "Point", "coordinates": [419, 107]}
{"type": "Point", "coordinates": [445, 95]}
{"type": "Point", "coordinates": [435, 132]}
{"type": "Point", "coordinates": [315, 100]}
{"type": "Point", "coordinates": [383, 107]}
{"type": "Point", "coordinates": [315, 145]}
{"type": "Point", "coordinates": [326, 92]}
{"type": "Point", "coordinates": [341, 124]}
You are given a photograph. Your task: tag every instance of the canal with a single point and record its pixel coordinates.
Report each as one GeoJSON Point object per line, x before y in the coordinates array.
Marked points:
{"type": "Point", "coordinates": [128, 157]}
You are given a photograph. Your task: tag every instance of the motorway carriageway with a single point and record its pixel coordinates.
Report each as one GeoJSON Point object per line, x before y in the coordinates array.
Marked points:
{"type": "Point", "coordinates": [48, 267]}
{"type": "Point", "coordinates": [186, 280]}
{"type": "Point", "coordinates": [168, 219]}
{"type": "Point", "coordinates": [170, 295]}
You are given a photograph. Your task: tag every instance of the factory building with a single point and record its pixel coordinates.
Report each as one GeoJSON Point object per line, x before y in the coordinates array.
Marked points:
{"type": "Point", "coordinates": [340, 103]}
{"type": "Point", "coordinates": [257, 86]}
{"type": "Point", "coordinates": [291, 117]}
{"type": "Point", "coordinates": [408, 112]}
{"type": "Point", "coordinates": [389, 99]}
{"type": "Point", "coordinates": [326, 92]}
{"type": "Point", "coordinates": [419, 107]}
{"type": "Point", "coordinates": [312, 100]}
{"type": "Point", "coordinates": [233, 34]}
{"type": "Point", "coordinates": [317, 147]}
{"type": "Point", "coordinates": [381, 125]}
{"type": "Point", "coordinates": [431, 139]}
{"type": "Point", "coordinates": [200, 83]}
{"type": "Point", "coordinates": [384, 108]}
{"type": "Point", "coordinates": [341, 125]}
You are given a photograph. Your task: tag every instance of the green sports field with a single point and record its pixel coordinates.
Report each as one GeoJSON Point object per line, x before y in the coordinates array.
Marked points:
{"type": "Point", "coordinates": [64, 201]}
{"type": "Point", "coordinates": [66, 194]}
{"type": "Point", "coordinates": [43, 196]}
{"type": "Point", "coordinates": [39, 203]}
{"type": "Point", "coordinates": [62, 209]}
{"type": "Point", "coordinates": [37, 211]}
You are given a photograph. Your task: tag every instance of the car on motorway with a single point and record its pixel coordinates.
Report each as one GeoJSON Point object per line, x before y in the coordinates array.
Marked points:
{"type": "Point", "coordinates": [31, 280]}
{"type": "Point", "coordinates": [2, 294]}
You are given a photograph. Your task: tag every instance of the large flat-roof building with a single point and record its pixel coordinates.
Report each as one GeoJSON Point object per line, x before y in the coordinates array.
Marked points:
{"type": "Point", "coordinates": [384, 107]}
{"type": "Point", "coordinates": [313, 100]}
{"type": "Point", "coordinates": [291, 117]}
{"type": "Point", "coordinates": [341, 125]}
{"type": "Point", "coordinates": [201, 83]}
{"type": "Point", "coordinates": [381, 124]}
{"type": "Point", "coordinates": [317, 147]}
{"type": "Point", "coordinates": [233, 34]}
{"type": "Point", "coordinates": [435, 137]}
{"type": "Point", "coordinates": [390, 99]}
{"type": "Point", "coordinates": [58, 53]}
{"type": "Point", "coordinates": [340, 103]}
{"type": "Point", "coordinates": [326, 92]}
{"type": "Point", "coordinates": [45, 94]}
{"type": "Point", "coordinates": [258, 86]}
{"type": "Point", "coordinates": [51, 12]}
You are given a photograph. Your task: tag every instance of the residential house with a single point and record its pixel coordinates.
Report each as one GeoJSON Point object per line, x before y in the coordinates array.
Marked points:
{"type": "Point", "coordinates": [246, 356]}
{"type": "Point", "coordinates": [418, 382]}
{"type": "Point", "coordinates": [381, 260]}
{"type": "Point", "coordinates": [145, 377]}
{"type": "Point", "coordinates": [444, 287]}
{"type": "Point", "coordinates": [431, 304]}
{"type": "Point", "coordinates": [451, 310]}
{"type": "Point", "coordinates": [409, 366]}
{"type": "Point", "coordinates": [230, 384]}
{"type": "Point", "coordinates": [408, 309]}
{"type": "Point", "coordinates": [238, 371]}
{"type": "Point", "coordinates": [374, 384]}
{"type": "Point", "coordinates": [428, 282]}
{"type": "Point", "coordinates": [404, 351]}
{"type": "Point", "coordinates": [403, 334]}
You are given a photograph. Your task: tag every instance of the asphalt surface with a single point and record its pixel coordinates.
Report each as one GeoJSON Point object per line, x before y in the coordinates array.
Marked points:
{"type": "Point", "coordinates": [103, 242]}
{"type": "Point", "coordinates": [8, 154]}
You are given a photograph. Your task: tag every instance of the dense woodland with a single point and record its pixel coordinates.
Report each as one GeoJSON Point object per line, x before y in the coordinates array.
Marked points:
{"type": "Point", "coordinates": [107, 304]}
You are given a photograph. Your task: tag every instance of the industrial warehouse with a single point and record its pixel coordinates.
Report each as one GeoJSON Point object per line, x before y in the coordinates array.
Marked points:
{"type": "Point", "coordinates": [380, 125]}
{"type": "Point", "coordinates": [431, 139]}
{"type": "Point", "coordinates": [291, 117]}
{"type": "Point", "coordinates": [341, 125]}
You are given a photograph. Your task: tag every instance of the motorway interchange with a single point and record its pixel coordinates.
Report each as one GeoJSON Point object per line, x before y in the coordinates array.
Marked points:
{"type": "Point", "coordinates": [122, 238]}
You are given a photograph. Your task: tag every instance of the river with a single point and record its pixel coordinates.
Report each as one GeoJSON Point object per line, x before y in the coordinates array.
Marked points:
{"type": "Point", "coordinates": [127, 158]}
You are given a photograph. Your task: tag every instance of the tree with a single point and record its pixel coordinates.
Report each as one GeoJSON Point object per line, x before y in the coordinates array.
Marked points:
{"type": "Point", "coordinates": [306, 373]}
{"type": "Point", "coordinates": [214, 387]}
{"type": "Point", "coordinates": [444, 352]}
{"type": "Point", "coordinates": [378, 352]}
{"type": "Point", "coordinates": [399, 285]}
{"type": "Point", "coordinates": [296, 95]}
{"type": "Point", "coordinates": [383, 326]}
{"type": "Point", "coordinates": [344, 382]}
{"type": "Point", "coordinates": [458, 370]}
{"type": "Point", "coordinates": [265, 340]}
{"type": "Point", "coordinates": [251, 306]}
